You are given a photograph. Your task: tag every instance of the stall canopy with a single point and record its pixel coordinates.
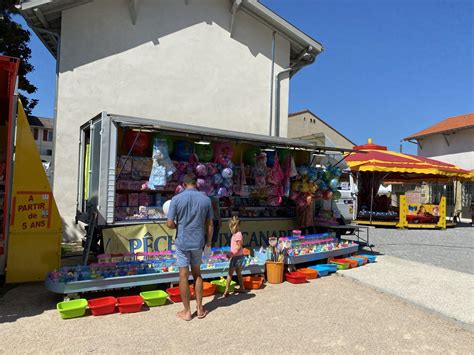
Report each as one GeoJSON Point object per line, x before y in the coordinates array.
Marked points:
{"type": "Point", "coordinates": [401, 166]}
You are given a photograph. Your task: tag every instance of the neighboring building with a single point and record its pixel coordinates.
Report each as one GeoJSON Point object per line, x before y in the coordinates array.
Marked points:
{"type": "Point", "coordinates": [306, 125]}
{"type": "Point", "coordinates": [42, 129]}
{"type": "Point", "coordinates": [451, 141]}
{"type": "Point", "coordinates": [215, 63]}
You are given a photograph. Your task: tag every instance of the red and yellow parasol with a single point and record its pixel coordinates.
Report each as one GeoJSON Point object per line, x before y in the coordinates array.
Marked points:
{"type": "Point", "coordinates": [377, 158]}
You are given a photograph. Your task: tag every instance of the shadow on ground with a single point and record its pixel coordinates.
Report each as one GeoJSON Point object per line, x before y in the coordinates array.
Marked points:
{"type": "Point", "coordinates": [218, 301]}
{"type": "Point", "coordinates": [26, 300]}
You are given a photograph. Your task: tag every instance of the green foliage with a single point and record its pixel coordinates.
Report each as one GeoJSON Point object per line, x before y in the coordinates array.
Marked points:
{"type": "Point", "coordinates": [14, 42]}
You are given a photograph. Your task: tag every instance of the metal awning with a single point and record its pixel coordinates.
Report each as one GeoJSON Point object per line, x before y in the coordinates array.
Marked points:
{"type": "Point", "coordinates": [213, 134]}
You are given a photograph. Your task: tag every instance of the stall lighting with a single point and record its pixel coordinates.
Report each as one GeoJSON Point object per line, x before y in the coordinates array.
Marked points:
{"type": "Point", "coordinates": [142, 130]}
{"type": "Point", "coordinates": [201, 142]}
{"type": "Point", "coordinates": [268, 150]}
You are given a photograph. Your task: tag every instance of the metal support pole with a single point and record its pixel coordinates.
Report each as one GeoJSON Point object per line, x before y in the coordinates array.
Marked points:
{"type": "Point", "coordinates": [371, 198]}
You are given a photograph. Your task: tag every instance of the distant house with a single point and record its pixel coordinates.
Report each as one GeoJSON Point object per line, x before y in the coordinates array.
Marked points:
{"type": "Point", "coordinates": [451, 141]}
{"type": "Point", "coordinates": [306, 125]}
{"type": "Point", "coordinates": [42, 129]}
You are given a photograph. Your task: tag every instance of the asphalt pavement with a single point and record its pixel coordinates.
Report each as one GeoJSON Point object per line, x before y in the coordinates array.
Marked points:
{"type": "Point", "coordinates": [452, 248]}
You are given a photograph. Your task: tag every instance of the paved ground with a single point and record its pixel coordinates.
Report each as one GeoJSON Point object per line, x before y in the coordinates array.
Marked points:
{"type": "Point", "coordinates": [328, 315]}
{"type": "Point", "coordinates": [452, 248]}
{"type": "Point", "coordinates": [448, 292]}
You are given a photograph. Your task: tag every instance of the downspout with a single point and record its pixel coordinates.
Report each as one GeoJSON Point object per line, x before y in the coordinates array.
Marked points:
{"type": "Point", "coordinates": [304, 58]}
{"type": "Point", "coordinates": [272, 75]}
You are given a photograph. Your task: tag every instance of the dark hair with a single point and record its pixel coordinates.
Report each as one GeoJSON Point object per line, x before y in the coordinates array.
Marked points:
{"type": "Point", "coordinates": [190, 179]}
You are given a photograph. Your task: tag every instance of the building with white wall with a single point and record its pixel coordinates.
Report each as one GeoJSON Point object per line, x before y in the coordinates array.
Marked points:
{"type": "Point", "coordinates": [42, 130]}
{"type": "Point", "coordinates": [451, 141]}
{"type": "Point", "coordinates": [306, 125]}
{"type": "Point", "coordinates": [215, 63]}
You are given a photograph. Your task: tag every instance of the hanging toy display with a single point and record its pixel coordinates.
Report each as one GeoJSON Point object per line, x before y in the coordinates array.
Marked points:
{"type": "Point", "coordinates": [205, 152]}
{"type": "Point", "coordinates": [169, 141]}
{"type": "Point", "coordinates": [138, 142]}
{"type": "Point", "coordinates": [182, 150]}
{"type": "Point", "coordinates": [162, 167]}
{"type": "Point", "coordinates": [250, 156]}
{"type": "Point", "coordinates": [223, 154]}
{"type": "Point", "coordinates": [201, 170]}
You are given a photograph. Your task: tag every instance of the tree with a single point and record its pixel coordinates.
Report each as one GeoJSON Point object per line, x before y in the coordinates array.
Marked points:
{"type": "Point", "coordinates": [14, 42]}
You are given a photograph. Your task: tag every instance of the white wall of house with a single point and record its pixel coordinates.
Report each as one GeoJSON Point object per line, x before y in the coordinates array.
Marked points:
{"type": "Point", "coordinates": [177, 63]}
{"type": "Point", "coordinates": [460, 150]}
{"type": "Point", "coordinates": [44, 142]}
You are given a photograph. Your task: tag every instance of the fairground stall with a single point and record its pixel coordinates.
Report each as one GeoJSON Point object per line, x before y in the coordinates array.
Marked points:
{"type": "Point", "coordinates": [30, 226]}
{"type": "Point", "coordinates": [413, 209]}
{"type": "Point", "coordinates": [130, 167]}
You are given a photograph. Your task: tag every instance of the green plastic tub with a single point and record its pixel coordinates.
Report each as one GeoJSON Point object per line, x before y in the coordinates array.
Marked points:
{"type": "Point", "coordinates": [341, 266]}
{"type": "Point", "coordinates": [220, 285]}
{"type": "Point", "coordinates": [154, 298]}
{"type": "Point", "coordinates": [72, 309]}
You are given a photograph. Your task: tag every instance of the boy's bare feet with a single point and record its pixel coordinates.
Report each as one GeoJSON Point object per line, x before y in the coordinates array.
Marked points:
{"type": "Point", "coordinates": [184, 315]}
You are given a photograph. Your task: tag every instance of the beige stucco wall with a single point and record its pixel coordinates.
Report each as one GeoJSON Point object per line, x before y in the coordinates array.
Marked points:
{"type": "Point", "coordinates": [178, 63]}
{"type": "Point", "coordinates": [460, 150]}
{"type": "Point", "coordinates": [305, 124]}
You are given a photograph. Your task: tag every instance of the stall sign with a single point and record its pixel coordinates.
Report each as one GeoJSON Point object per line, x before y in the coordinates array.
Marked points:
{"type": "Point", "coordinates": [31, 211]}
{"type": "Point", "coordinates": [423, 209]}
{"type": "Point", "coordinates": [157, 237]}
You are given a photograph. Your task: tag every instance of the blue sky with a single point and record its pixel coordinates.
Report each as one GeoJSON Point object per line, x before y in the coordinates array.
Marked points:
{"type": "Point", "coordinates": [390, 67]}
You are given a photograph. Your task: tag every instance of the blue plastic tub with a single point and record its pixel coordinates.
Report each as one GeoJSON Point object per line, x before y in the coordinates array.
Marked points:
{"type": "Point", "coordinates": [372, 258]}
{"type": "Point", "coordinates": [330, 267]}
{"type": "Point", "coordinates": [360, 261]}
{"type": "Point", "coordinates": [322, 271]}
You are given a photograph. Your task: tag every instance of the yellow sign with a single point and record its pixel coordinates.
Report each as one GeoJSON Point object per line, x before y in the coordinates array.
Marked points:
{"type": "Point", "coordinates": [157, 237]}
{"type": "Point", "coordinates": [34, 240]}
{"type": "Point", "coordinates": [31, 211]}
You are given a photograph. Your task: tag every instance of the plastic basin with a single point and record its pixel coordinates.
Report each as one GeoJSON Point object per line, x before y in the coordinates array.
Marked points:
{"type": "Point", "coordinates": [72, 309]}
{"type": "Point", "coordinates": [360, 261]}
{"type": "Point", "coordinates": [295, 277]}
{"type": "Point", "coordinates": [341, 265]}
{"type": "Point", "coordinates": [175, 294]}
{"type": "Point", "coordinates": [208, 289]}
{"type": "Point", "coordinates": [154, 298]}
{"type": "Point", "coordinates": [331, 267]}
{"type": "Point", "coordinates": [220, 285]}
{"type": "Point", "coordinates": [366, 259]}
{"type": "Point", "coordinates": [130, 304]}
{"type": "Point", "coordinates": [253, 282]}
{"type": "Point", "coordinates": [352, 263]}
{"type": "Point", "coordinates": [372, 258]}
{"type": "Point", "coordinates": [102, 306]}
{"type": "Point", "coordinates": [322, 271]}
{"type": "Point", "coordinates": [311, 274]}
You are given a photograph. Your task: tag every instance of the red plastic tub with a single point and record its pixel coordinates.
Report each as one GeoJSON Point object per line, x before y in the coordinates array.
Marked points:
{"type": "Point", "coordinates": [102, 306]}
{"type": "Point", "coordinates": [310, 273]}
{"type": "Point", "coordinates": [175, 295]}
{"type": "Point", "coordinates": [295, 277]}
{"type": "Point", "coordinates": [130, 304]}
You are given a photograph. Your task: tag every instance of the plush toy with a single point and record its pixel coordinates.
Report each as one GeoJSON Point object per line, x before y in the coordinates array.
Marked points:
{"type": "Point", "coordinates": [201, 170]}
{"type": "Point", "coordinates": [162, 166]}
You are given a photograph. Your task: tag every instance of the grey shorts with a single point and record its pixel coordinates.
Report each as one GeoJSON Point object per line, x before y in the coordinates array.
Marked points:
{"type": "Point", "coordinates": [237, 261]}
{"type": "Point", "coordinates": [185, 258]}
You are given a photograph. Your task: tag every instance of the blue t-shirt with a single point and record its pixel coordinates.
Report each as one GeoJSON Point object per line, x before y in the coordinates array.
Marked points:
{"type": "Point", "coordinates": [190, 210]}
